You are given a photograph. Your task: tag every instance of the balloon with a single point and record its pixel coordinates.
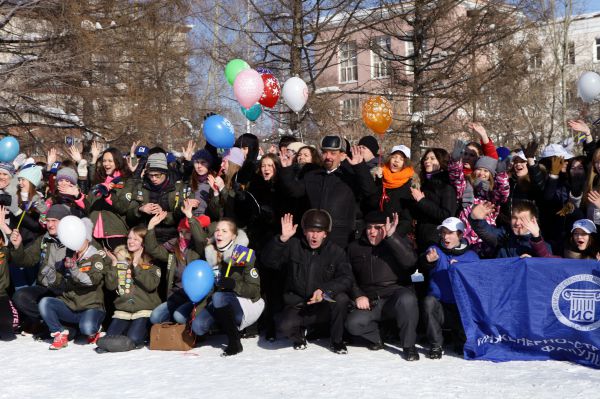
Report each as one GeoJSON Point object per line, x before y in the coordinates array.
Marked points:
{"type": "Point", "coordinates": [198, 279]}
{"type": "Point", "coordinates": [71, 232]}
{"type": "Point", "coordinates": [9, 149]}
{"type": "Point", "coordinates": [233, 68]}
{"type": "Point", "coordinates": [248, 87]}
{"type": "Point", "coordinates": [377, 114]}
{"type": "Point", "coordinates": [218, 131]}
{"type": "Point", "coordinates": [262, 71]}
{"type": "Point", "coordinates": [295, 93]}
{"type": "Point", "coordinates": [253, 112]}
{"type": "Point", "coordinates": [588, 86]}
{"type": "Point", "coordinates": [271, 90]}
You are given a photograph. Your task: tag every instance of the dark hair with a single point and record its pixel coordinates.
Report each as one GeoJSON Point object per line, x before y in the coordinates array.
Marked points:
{"type": "Point", "coordinates": [442, 157]}
{"type": "Point", "coordinates": [247, 140]}
{"type": "Point", "coordinates": [275, 160]}
{"type": "Point", "coordinates": [100, 174]}
{"type": "Point", "coordinates": [314, 155]}
{"type": "Point", "coordinates": [477, 146]}
{"type": "Point", "coordinates": [286, 140]}
{"type": "Point", "coordinates": [524, 206]}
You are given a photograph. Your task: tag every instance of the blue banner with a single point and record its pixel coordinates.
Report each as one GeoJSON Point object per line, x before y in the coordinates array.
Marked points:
{"type": "Point", "coordinates": [530, 309]}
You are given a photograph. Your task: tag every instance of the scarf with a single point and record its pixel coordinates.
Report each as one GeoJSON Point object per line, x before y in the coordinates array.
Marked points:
{"type": "Point", "coordinates": [396, 179]}
{"type": "Point", "coordinates": [183, 244]}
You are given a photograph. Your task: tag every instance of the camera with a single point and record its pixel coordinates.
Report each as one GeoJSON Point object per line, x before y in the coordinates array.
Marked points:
{"type": "Point", "coordinates": [5, 199]}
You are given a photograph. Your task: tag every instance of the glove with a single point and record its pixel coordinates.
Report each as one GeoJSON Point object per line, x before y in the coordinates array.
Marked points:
{"type": "Point", "coordinates": [557, 165]}
{"type": "Point", "coordinates": [502, 166]}
{"type": "Point", "coordinates": [226, 284]}
{"type": "Point", "coordinates": [82, 170]}
{"type": "Point", "coordinates": [100, 190]}
{"type": "Point", "coordinates": [531, 149]}
{"type": "Point", "coordinates": [459, 149]}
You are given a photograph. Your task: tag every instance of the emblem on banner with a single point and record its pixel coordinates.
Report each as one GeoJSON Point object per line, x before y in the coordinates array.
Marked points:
{"type": "Point", "coordinates": [574, 302]}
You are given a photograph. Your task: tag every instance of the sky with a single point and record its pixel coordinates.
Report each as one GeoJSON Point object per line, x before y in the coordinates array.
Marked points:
{"type": "Point", "coordinates": [592, 5]}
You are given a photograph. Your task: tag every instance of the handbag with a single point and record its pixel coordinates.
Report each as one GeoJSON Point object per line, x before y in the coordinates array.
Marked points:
{"type": "Point", "coordinates": [171, 337]}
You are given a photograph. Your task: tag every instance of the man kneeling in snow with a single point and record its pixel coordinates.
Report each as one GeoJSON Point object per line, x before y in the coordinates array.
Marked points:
{"type": "Point", "coordinates": [318, 277]}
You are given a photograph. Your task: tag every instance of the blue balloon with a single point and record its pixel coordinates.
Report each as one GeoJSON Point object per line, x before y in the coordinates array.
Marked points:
{"type": "Point", "coordinates": [263, 71]}
{"type": "Point", "coordinates": [9, 149]}
{"type": "Point", "coordinates": [198, 279]}
{"type": "Point", "coordinates": [218, 131]}
{"type": "Point", "coordinates": [253, 112]}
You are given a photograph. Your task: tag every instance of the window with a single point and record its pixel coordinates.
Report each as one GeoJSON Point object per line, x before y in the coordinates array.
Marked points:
{"type": "Point", "coordinates": [349, 109]}
{"type": "Point", "coordinates": [380, 52]}
{"type": "Point", "coordinates": [409, 104]}
{"type": "Point", "coordinates": [597, 47]}
{"type": "Point", "coordinates": [535, 59]}
{"type": "Point", "coordinates": [570, 54]}
{"type": "Point", "coordinates": [348, 62]}
{"type": "Point", "coordinates": [409, 51]}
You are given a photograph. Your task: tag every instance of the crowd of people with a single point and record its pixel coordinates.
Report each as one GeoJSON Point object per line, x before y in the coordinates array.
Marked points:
{"type": "Point", "coordinates": [347, 241]}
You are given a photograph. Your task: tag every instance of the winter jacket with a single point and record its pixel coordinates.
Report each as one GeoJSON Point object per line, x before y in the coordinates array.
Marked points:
{"type": "Point", "coordinates": [439, 203]}
{"type": "Point", "coordinates": [337, 192]}
{"type": "Point", "coordinates": [4, 271]}
{"type": "Point", "coordinates": [439, 279]}
{"type": "Point", "coordinates": [399, 200]}
{"type": "Point", "coordinates": [47, 251]}
{"type": "Point", "coordinates": [503, 243]}
{"type": "Point", "coordinates": [264, 209]}
{"type": "Point", "coordinates": [81, 287]}
{"type": "Point", "coordinates": [308, 269]}
{"type": "Point", "coordinates": [138, 297]}
{"type": "Point", "coordinates": [108, 212]}
{"type": "Point", "coordinates": [379, 270]}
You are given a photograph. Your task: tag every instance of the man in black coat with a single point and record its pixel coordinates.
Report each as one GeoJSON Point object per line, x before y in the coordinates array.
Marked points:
{"type": "Point", "coordinates": [318, 278]}
{"type": "Point", "coordinates": [382, 263]}
{"type": "Point", "coordinates": [336, 187]}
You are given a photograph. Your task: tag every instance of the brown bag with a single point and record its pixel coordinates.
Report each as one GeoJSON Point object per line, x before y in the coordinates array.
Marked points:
{"type": "Point", "coordinates": [171, 337]}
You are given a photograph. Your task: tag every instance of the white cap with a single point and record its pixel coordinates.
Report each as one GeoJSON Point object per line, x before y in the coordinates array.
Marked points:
{"type": "Point", "coordinates": [402, 148]}
{"type": "Point", "coordinates": [556, 150]}
{"type": "Point", "coordinates": [584, 224]}
{"type": "Point", "coordinates": [518, 154]}
{"type": "Point", "coordinates": [452, 224]}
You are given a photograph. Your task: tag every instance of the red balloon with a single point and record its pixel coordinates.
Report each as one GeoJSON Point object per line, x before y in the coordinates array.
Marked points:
{"type": "Point", "coordinates": [271, 91]}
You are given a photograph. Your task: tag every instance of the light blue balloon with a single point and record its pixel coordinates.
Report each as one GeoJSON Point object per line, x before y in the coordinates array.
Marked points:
{"type": "Point", "coordinates": [198, 279]}
{"type": "Point", "coordinates": [9, 149]}
{"type": "Point", "coordinates": [252, 113]}
{"type": "Point", "coordinates": [218, 131]}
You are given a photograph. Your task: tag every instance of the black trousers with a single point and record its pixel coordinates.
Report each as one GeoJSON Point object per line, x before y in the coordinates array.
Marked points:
{"type": "Point", "coordinates": [7, 319]}
{"type": "Point", "coordinates": [26, 301]}
{"type": "Point", "coordinates": [402, 307]}
{"type": "Point", "coordinates": [294, 318]}
{"type": "Point", "coordinates": [438, 315]}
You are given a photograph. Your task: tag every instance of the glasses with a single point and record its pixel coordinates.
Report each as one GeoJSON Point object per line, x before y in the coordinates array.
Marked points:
{"type": "Point", "coordinates": [155, 175]}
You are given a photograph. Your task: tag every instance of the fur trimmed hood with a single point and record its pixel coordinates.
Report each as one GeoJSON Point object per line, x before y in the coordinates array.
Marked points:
{"type": "Point", "coordinates": [211, 250]}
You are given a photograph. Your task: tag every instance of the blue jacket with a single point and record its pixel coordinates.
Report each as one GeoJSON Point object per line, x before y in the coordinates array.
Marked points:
{"type": "Point", "coordinates": [439, 279]}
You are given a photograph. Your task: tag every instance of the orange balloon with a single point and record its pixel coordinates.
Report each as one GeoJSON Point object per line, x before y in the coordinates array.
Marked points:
{"type": "Point", "coordinates": [377, 114]}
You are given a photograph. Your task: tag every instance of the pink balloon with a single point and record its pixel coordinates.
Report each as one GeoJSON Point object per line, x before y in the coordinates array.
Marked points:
{"type": "Point", "coordinates": [248, 87]}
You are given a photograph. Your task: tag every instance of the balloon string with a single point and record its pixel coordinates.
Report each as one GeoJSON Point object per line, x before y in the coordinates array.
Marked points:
{"type": "Point", "coordinates": [384, 197]}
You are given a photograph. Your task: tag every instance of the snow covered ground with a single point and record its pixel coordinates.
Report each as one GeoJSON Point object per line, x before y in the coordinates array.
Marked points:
{"type": "Point", "coordinates": [274, 370]}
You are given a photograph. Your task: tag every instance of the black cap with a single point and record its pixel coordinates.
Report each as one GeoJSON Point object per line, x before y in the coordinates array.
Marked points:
{"type": "Point", "coordinates": [316, 219]}
{"type": "Point", "coordinates": [371, 143]}
{"type": "Point", "coordinates": [376, 217]}
{"type": "Point", "coordinates": [332, 143]}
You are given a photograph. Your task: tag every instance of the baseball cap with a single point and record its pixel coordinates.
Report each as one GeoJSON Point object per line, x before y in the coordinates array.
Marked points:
{"type": "Point", "coordinates": [401, 148]}
{"type": "Point", "coordinates": [141, 151]}
{"type": "Point", "coordinates": [584, 224]}
{"type": "Point", "coordinates": [452, 224]}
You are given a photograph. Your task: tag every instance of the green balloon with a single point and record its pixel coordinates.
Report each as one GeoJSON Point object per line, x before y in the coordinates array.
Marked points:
{"type": "Point", "coordinates": [233, 68]}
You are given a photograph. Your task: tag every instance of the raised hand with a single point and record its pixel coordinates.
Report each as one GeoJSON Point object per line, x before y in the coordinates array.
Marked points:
{"type": "Point", "coordinates": [480, 130]}
{"type": "Point", "coordinates": [285, 159]}
{"type": "Point", "coordinates": [531, 149]}
{"type": "Point", "coordinates": [531, 225]}
{"type": "Point", "coordinates": [51, 158]}
{"type": "Point", "coordinates": [594, 198]}
{"type": "Point", "coordinates": [432, 255]}
{"type": "Point", "coordinates": [482, 210]}
{"type": "Point", "coordinates": [580, 126]}
{"type": "Point", "coordinates": [357, 155]}
{"type": "Point", "coordinates": [188, 205]}
{"type": "Point", "coordinates": [157, 219]}
{"type": "Point", "coordinates": [188, 151]}
{"type": "Point", "coordinates": [134, 145]}
{"type": "Point", "coordinates": [74, 153]}
{"type": "Point", "coordinates": [288, 228]}
{"type": "Point", "coordinates": [458, 150]}
{"type": "Point", "coordinates": [557, 165]}
{"type": "Point", "coordinates": [390, 226]}
{"type": "Point", "coordinates": [95, 150]}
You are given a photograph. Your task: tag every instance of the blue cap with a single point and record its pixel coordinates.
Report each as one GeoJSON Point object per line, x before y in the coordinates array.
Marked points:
{"type": "Point", "coordinates": [171, 157]}
{"type": "Point", "coordinates": [141, 151]}
{"type": "Point", "coordinates": [55, 167]}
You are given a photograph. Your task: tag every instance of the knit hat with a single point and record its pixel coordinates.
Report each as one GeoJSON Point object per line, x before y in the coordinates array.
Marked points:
{"type": "Point", "coordinates": [33, 174]}
{"type": "Point", "coordinates": [488, 163]}
{"type": "Point", "coordinates": [171, 157]}
{"type": "Point", "coordinates": [376, 217]}
{"type": "Point", "coordinates": [7, 167]}
{"type": "Point", "coordinates": [203, 155]}
{"type": "Point", "coordinates": [371, 143]}
{"type": "Point", "coordinates": [235, 155]}
{"type": "Point", "coordinates": [68, 174]}
{"type": "Point", "coordinates": [58, 211]}
{"type": "Point", "coordinates": [503, 153]}
{"type": "Point", "coordinates": [157, 162]}
{"type": "Point", "coordinates": [184, 224]}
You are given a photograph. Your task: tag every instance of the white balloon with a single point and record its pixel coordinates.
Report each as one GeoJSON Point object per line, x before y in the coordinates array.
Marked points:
{"type": "Point", "coordinates": [588, 86]}
{"type": "Point", "coordinates": [295, 93]}
{"type": "Point", "coordinates": [71, 232]}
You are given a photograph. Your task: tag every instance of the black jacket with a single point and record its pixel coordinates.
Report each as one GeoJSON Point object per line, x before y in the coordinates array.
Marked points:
{"type": "Point", "coordinates": [439, 203]}
{"type": "Point", "coordinates": [324, 268]}
{"type": "Point", "coordinates": [380, 270]}
{"type": "Point", "coordinates": [337, 193]}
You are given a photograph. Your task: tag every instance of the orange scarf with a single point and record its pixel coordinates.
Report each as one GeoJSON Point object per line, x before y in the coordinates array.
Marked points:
{"type": "Point", "coordinates": [396, 179]}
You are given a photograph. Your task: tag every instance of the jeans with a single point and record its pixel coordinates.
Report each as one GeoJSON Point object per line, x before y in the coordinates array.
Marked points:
{"type": "Point", "coordinates": [166, 311]}
{"type": "Point", "coordinates": [53, 311]}
{"type": "Point", "coordinates": [136, 330]}
{"type": "Point", "coordinates": [205, 320]}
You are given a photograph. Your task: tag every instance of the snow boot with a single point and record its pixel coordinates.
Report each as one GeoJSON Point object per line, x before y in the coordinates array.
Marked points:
{"type": "Point", "coordinates": [435, 352]}
{"type": "Point", "coordinates": [61, 340]}
{"type": "Point", "coordinates": [339, 348]}
{"type": "Point", "coordinates": [411, 354]}
{"type": "Point", "coordinates": [226, 320]}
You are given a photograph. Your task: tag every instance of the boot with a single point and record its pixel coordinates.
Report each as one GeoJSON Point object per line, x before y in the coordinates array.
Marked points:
{"type": "Point", "coordinates": [435, 352]}
{"type": "Point", "coordinates": [226, 320]}
{"type": "Point", "coordinates": [411, 354]}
